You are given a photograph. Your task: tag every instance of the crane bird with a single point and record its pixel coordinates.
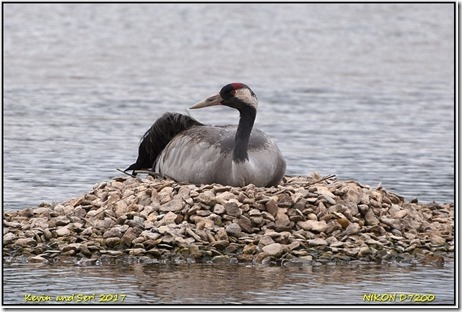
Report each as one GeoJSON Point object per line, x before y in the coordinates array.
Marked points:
{"type": "Point", "coordinates": [182, 148]}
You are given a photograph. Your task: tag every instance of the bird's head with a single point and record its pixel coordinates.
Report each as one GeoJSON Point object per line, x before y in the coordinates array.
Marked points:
{"type": "Point", "coordinates": [236, 95]}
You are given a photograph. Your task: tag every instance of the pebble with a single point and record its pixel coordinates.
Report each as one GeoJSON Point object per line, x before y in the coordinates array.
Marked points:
{"type": "Point", "coordinates": [233, 229]}
{"type": "Point", "coordinates": [112, 241]}
{"type": "Point", "coordinates": [38, 259]}
{"type": "Point", "coordinates": [282, 220]}
{"type": "Point", "coordinates": [317, 242]}
{"type": "Point", "coordinates": [274, 249]}
{"type": "Point", "coordinates": [63, 231]}
{"type": "Point", "coordinates": [232, 208]}
{"type": "Point", "coordinates": [8, 238]}
{"type": "Point", "coordinates": [219, 209]}
{"type": "Point", "coordinates": [25, 242]}
{"type": "Point", "coordinates": [437, 239]}
{"type": "Point", "coordinates": [353, 228]}
{"type": "Point", "coordinates": [207, 198]}
{"type": "Point", "coordinates": [173, 205]}
{"type": "Point", "coordinates": [113, 232]}
{"type": "Point", "coordinates": [303, 221]}
{"type": "Point", "coordinates": [312, 225]}
{"type": "Point", "coordinates": [224, 197]}
{"type": "Point", "coordinates": [169, 218]}
{"type": "Point", "coordinates": [272, 207]}
{"type": "Point", "coordinates": [245, 224]}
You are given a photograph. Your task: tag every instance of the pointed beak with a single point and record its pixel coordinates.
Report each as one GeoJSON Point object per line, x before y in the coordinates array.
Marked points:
{"type": "Point", "coordinates": [211, 101]}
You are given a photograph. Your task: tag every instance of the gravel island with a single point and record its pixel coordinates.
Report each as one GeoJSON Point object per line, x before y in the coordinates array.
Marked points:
{"type": "Point", "coordinates": [302, 221]}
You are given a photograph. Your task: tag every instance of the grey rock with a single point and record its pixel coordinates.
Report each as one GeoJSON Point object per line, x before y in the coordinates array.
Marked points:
{"type": "Point", "coordinates": [272, 207]}
{"type": "Point", "coordinates": [353, 228]}
{"type": "Point", "coordinates": [265, 240]}
{"type": "Point", "coordinates": [113, 232]}
{"type": "Point", "coordinates": [169, 218]}
{"type": "Point", "coordinates": [8, 238]}
{"type": "Point", "coordinates": [207, 198]}
{"type": "Point", "coordinates": [274, 249]}
{"type": "Point", "coordinates": [282, 220]}
{"type": "Point", "coordinates": [25, 242]}
{"type": "Point", "coordinates": [38, 259]}
{"type": "Point", "coordinates": [370, 217]}
{"type": "Point", "coordinates": [245, 224]}
{"type": "Point", "coordinates": [317, 242]}
{"type": "Point", "coordinates": [233, 229]}
{"type": "Point", "coordinates": [224, 197]}
{"type": "Point", "coordinates": [175, 204]}
{"type": "Point", "coordinates": [222, 235]}
{"type": "Point", "coordinates": [113, 241]}
{"type": "Point", "coordinates": [311, 225]}
{"type": "Point", "coordinates": [63, 231]}
{"type": "Point", "coordinates": [232, 208]}
{"type": "Point", "coordinates": [219, 209]}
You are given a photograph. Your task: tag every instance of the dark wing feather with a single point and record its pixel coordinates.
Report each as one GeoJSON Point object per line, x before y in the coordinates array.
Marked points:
{"type": "Point", "coordinates": [157, 137]}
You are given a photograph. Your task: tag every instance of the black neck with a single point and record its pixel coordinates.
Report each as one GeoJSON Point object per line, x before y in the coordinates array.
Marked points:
{"type": "Point", "coordinates": [244, 129]}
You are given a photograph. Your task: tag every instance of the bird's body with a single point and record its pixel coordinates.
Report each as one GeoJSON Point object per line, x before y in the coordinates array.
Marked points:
{"type": "Point", "coordinates": [203, 154]}
{"type": "Point", "coordinates": [184, 149]}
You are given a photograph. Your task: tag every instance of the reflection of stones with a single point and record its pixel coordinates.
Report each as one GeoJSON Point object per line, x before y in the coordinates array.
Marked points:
{"type": "Point", "coordinates": [153, 283]}
{"type": "Point", "coordinates": [302, 221]}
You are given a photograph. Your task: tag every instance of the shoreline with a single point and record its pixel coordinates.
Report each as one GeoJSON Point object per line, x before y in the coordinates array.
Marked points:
{"type": "Point", "coordinates": [302, 221]}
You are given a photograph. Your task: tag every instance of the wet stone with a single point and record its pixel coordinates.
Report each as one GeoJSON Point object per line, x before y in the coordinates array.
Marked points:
{"type": "Point", "coordinates": [38, 259]}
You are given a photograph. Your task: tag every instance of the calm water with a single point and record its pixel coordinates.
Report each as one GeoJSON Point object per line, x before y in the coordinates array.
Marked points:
{"type": "Point", "coordinates": [363, 91]}
{"type": "Point", "coordinates": [227, 284]}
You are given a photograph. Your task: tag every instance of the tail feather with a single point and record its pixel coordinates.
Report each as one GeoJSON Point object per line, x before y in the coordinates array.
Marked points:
{"type": "Point", "coordinates": [157, 137]}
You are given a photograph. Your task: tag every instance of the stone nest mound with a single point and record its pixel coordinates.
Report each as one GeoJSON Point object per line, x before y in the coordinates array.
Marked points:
{"type": "Point", "coordinates": [303, 221]}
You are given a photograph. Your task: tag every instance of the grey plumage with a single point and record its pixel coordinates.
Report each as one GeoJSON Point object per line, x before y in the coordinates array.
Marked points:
{"type": "Point", "coordinates": [186, 150]}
